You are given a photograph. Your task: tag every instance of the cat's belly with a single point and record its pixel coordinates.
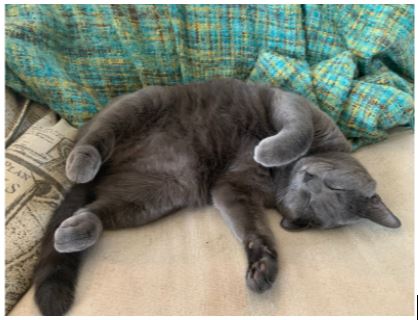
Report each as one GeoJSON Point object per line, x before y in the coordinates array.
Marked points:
{"type": "Point", "coordinates": [156, 162]}
{"type": "Point", "coordinates": [191, 162]}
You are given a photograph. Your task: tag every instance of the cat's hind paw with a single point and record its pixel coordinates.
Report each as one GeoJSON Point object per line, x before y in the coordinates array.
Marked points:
{"type": "Point", "coordinates": [83, 163]}
{"type": "Point", "coordinates": [54, 296]}
{"type": "Point", "coordinates": [78, 232]}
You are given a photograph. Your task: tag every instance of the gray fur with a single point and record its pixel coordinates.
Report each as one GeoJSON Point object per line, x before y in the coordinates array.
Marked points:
{"type": "Point", "coordinates": [241, 147]}
{"type": "Point", "coordinates": [329, 190]}
{"type": "Point", "coordinates": [78, 232]}
{"type": "Point", "coordinates": [83, 163]}
{"type": "Point", "coordinates": [287, 112]}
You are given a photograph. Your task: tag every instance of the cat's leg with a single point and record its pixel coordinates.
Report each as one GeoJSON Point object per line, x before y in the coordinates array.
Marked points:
{"type": "Point", "coordinates": [302, 127]}
{"type": "Point", "coordinates": [56, 273]}
{"type": "Point", "coordinates": [116, 209]}
{"type": "Point", "coordinates": [291, 116]}
{"type": "Point", "coordinates": [96, 140]}
{"type": "Point", "coordinates": [84, 228]}
{"type": "Point", "coordinates": [77, 225]}
{"type": "Point", "coordinates": [70, 232]}
{"type": "Point", "coordinates": [241, 207]}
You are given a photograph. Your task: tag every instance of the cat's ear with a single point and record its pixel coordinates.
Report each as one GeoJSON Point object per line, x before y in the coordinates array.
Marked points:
{"type": "Point", "coordinates": [377, 212]}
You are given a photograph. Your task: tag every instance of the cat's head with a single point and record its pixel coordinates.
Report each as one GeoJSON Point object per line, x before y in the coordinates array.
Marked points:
{"type": "Point", "coordinates": [331, 190]}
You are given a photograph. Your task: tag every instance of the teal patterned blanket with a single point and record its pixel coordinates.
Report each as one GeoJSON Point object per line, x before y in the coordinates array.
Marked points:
{"type": "Point", "coordinates": [356, 62]}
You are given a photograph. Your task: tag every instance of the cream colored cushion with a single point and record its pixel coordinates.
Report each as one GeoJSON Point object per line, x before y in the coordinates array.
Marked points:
{"type": "Point", "coordinates": [190, 264]}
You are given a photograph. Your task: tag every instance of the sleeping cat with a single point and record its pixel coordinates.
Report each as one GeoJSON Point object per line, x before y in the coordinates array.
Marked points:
{"type": "Point", "coordinates": [241, 147]}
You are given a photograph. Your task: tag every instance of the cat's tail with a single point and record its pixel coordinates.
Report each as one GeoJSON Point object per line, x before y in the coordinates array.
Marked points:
{"type": "Point", "coordinates": [56, 273]}
{"type": "Point", "coordinates": [301, 127]}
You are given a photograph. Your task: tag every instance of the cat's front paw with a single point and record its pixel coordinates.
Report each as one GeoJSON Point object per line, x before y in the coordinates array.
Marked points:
{"type": "Point", "coordinates": [78, 232]}
{"type": "Point", "coordinates": [83, 163]}
{"type": "Point", "coordinates": [262, 270]}
{"type": "Point", "coordinates": [264, 153]}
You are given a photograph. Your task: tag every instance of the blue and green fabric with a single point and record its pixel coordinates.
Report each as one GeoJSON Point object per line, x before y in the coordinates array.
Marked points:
{"type": "Point", "coordinates": [356, 62]}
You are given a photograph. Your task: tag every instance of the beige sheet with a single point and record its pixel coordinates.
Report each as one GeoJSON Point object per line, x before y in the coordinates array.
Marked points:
{"type": "Point", "coordinates": [190, 264]}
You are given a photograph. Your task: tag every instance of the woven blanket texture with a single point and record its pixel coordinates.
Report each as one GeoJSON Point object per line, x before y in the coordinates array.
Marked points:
{"type": "Point", "coordinates": [356, 62]}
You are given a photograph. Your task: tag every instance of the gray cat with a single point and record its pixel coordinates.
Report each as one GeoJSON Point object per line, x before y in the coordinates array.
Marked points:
{"type": "Point", "coordinates": [241, 147]}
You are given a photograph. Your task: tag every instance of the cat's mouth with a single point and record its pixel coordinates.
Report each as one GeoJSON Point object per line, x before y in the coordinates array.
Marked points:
{"type": "Point", "coordinates": [306, 221]}
{"type": "Point", "coordinates": [302, 222]}
{"type": "Point", "coordinates": [298, 224]}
